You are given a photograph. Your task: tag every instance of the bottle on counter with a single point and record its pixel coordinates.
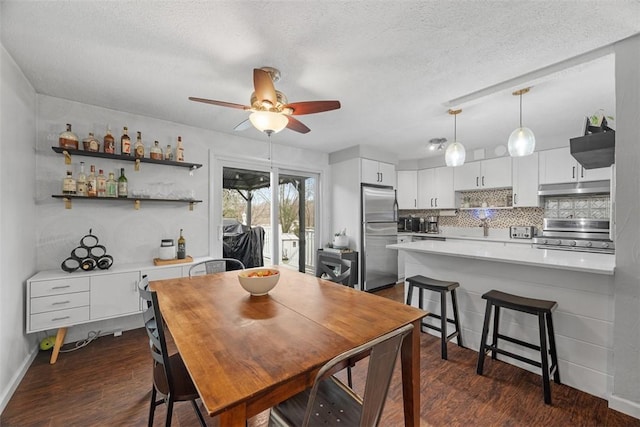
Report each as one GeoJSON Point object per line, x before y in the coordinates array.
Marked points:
{"type": "Point", "coordinates": [109, 144]}
{"type": "Point", "coordinates": [182, 246]}
{"type": "Point", "coordinates": [139, 147]}
{"type": "Point", "coordinates": [125, 142]}
{"type": "Point", "coordinates": [112, 186]}
{"type": "Point", "coordinates": [156, 151]}
{"type": "Point", "coordinates": [68, 139]}
{"type": "Point", "coordinates": [122, 185]}
{"type": "Point", "coordinates": [168, 152]}
{"type": "Point", "coordinates": [179, 150]}
{"type": "Point", "coordinates": [92, 183]}
{"type": "Point", "coordinates": [90, 143]}
{"type": "Point", "coordinates": [81, 183]}
{"type": "Point", "coordinates": [69, 184]}
{"type": "Point", "coordinates": [101, 180]}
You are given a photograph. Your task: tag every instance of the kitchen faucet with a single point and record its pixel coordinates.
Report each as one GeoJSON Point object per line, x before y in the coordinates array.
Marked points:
{"type": "Point", "coordinates": [484, 223]}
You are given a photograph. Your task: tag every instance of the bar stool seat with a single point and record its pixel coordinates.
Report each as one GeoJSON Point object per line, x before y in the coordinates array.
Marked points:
{"type": "Point", "coordinates": [540, 308]}
{"type": "Point", "coordinates": [442, 287]}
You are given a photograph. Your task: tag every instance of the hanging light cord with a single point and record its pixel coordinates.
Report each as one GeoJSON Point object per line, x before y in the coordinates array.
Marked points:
{"type": "Point", "coordinates": [521, 110]}
{"type": "Point", "coordinates": [455, 127]}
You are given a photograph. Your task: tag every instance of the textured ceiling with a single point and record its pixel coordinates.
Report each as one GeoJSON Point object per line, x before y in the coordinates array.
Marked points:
{"type": "Point", "coordinates": [394, 65]}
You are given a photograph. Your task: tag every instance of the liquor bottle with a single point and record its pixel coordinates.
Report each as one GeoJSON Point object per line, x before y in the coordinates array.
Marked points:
{"type": "Point", "coordinates": [69, 185]}
{"type": "Point", "coordinates": [102, 184]}
{"type": "Point", "coordinates": [91, 143]}
{"type": "Point", "coordinates": [156, 151]}
{"type": "Point", "coordinates": [109, 142]}
{"type": "Point", "coordinates": [179, 150]}
{"type": "Point", "coordinates": [168, 152]}
{"type": "Point", "coordinates": [139, 147]}
{"type": "Point", "coordinates": [182, 246]}
{"type": "Point", "coordinates": [68, 139]}
{"type": "Point", "coordinates": [125, 143]}
{"type": "Point", "coordinates": [81, 189]}
{"type": "Point", "coordinates": [92, 183]}
{"type": "Point", "coordinates": [112, 186]}
{"type": "Point", "coordinates": [122, 184]}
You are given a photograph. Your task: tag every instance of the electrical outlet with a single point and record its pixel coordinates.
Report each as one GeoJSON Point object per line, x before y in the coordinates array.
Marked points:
{"type": "Point", "coordinates": [117, 333]}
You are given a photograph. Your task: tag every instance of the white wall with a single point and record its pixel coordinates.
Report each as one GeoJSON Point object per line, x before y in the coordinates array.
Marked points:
{"type": "Point", "coordinates": [626, 333]}
{"type": "Point", "coordinates": [17, 220]}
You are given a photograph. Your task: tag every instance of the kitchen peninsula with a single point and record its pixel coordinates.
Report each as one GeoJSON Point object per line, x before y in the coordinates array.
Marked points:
{"type": "Point", "coordinates": [582, 284]}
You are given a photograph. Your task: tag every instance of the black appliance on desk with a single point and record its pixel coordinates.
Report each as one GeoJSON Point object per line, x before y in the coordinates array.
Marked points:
{"type": "Point", "coordinates": [409, 224]}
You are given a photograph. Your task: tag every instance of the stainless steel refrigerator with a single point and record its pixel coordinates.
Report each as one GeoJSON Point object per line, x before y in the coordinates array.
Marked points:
{"type": "Point", "coordinates": [379, 229]}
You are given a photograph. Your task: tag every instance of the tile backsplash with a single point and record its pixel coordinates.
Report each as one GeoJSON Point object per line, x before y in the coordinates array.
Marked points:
{"type": "Point", "coordinates": [594, 206]}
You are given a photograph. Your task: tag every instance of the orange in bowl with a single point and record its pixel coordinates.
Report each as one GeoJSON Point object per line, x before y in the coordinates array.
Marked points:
{"type": "Point", "coordinates": [258, 281]}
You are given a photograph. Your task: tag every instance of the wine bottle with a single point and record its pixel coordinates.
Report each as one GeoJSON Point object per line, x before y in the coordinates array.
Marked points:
{"type": "Point", "coordinates": [122, 185]}
{"type": "Point", "coordinates": [125, 143]}
{"type": "Point", "coordinates": [182, 246]}
{"type": "Point", "coordinates": [90, 143]}
{"type": "Point", "coordinates": [101, 180]}
{"type": "Point", "coordinates": [156, 151]}
{"type": "Point", "coordinates": [139, 146]}
{"type": "Point", "coordinates": [168, 152]}
{"type": "Point", "coordinates": [81, 189]}
{"type": "Point", "coordinates": [109, 142]}
{"type": "Point", "coordinates": [69, 184]}
{"type": "Point", "coordinates": [179, 150]}
{"type": "Point", "coordinates": [92, 183]}
{"type": "Point", "coordinates": [68, 139]}
{"type": "Point", "coordinates": [112, 186]}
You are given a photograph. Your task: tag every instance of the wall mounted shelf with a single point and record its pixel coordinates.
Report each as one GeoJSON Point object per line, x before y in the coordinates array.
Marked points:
{"type": "Point", "coordinates": [136, 201]}
{"type": "Point", "coordinates": [486, 208]}
{"type": "Point", "coordinates": [70, 152]}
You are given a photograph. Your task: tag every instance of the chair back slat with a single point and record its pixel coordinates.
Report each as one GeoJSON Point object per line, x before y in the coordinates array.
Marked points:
{"type": "Point", "coordinates": [215, 266]}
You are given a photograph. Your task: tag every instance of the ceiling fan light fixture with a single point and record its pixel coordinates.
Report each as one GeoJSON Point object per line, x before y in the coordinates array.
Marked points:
{"type": "Point", "coordinates": [268, 121]}
{"type": "Point", "coordinates": [522, 141]}
{"type": "Point", "coordinates": [456, 153]}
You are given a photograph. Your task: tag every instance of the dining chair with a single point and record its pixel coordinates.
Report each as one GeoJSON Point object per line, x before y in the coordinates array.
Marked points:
{"type": "Point", "coordinates": [170, 377]}
{"type": "Point", "coordinates": [330, 402]}
{"type": "Point", "coordinates": [326, 266]}
{"type": "Point", "coordinates": [215, 266]}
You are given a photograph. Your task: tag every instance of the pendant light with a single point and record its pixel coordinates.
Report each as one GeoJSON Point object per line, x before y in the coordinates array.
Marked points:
{"type": "Point", "coordinates": [268, 121]}
{"type": "Point", "coordinates": [455, 154]}
{"type": "Point", "coordinates": [522, 142]}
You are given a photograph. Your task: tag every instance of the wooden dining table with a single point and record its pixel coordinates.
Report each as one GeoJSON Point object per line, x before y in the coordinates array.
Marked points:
{"type": "Point", "coordinates": [247, 353]}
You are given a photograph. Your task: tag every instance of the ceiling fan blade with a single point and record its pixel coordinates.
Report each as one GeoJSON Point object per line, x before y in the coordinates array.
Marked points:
{"type": "Point", "coordinates": [243, 125]}
{"type": "Point", "coordinates": [310, 107]}
{"type": "Point", "coordinates": [263, 86]}
{"type": "Point", "coordinates": [220, 103]}
{"type": "Point", "coordinates": [297, 125]}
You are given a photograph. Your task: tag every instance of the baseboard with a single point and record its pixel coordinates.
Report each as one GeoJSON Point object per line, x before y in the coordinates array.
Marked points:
{"type": "Point", "coordinates": [17, 377]}
{"type": "Point", "coordinates": [625, 406]}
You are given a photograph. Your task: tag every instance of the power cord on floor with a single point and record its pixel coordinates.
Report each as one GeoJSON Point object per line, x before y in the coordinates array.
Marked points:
{"type": "Point", "coordinates": [91, 336]}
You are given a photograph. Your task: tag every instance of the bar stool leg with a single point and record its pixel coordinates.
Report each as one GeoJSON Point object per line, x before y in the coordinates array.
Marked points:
{"type": "Point", "coordinates": [420, 304]}
{"type": "Point", "coordinates": [544, 355]}
{"type": "Point", "coordinates": [409, 293]}
{"type": "Point", "coordinates": [443, 324]}
{"type": "Point", "coordinates": [456, 321]}
{"type": "Point", "coordinates": [496, 326]}
{"type": "Point", "coordinates": [483, 339]}
{"type": "Point", "coordinates": [552, 348]}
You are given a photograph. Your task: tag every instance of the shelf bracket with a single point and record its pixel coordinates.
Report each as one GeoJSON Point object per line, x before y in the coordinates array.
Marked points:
{"type": "Point", "coordinates": [137, 166]}
{"type": "Point", "coordinates": [67, 203]}
{"type": "Point", "coordinates": [136, 205]}
{"type": "Point", "coordinates": [191, 205]}
{"type": "Point", "coordinates": [193, 168]}
{"type": "Point", "coordinates": [67, 157]}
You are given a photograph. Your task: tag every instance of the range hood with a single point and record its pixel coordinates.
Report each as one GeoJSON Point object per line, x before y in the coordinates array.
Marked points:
{"type": "Point", "coordinates": [575, 188]}
{"type": "Point", "coordinates": [595, 150]}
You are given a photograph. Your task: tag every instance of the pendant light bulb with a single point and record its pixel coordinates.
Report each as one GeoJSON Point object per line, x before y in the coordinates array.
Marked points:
{"type": "Point", "coordinates": [456, 153]}
{"type": "Point", "coordinates": [522, 141]}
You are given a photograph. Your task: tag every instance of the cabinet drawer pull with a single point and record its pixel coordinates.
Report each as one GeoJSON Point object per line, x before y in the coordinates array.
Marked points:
{"type": "Point", "coordinates": [60, 302]}
{"type": "Point", "coordinates": [483, 181]}
{"type": "Point", "coordinates": [61, 287]}
{"type": "Point", "coordinates": [573, 172]}
{"type": "Point", "coordinates": [55, 319]}
{"type": "Point", "coordinates": [477, 181]}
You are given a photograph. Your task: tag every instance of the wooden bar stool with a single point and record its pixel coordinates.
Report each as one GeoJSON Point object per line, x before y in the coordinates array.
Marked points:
{"type": "Point", "coordinates": [442, 287]}
{"type": "Point", "coordinates": [537, 307]}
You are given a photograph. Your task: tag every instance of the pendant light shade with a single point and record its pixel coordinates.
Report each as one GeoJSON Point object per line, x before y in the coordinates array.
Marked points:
{"type": "Point", "coordinates": [268, 121]}
{"type": "Point", "coordinates": [456, 153]}
{"type": "Point", "coordinates": [522, 141]}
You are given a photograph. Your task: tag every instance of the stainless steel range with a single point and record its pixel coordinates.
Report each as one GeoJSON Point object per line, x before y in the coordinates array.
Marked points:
{"type": "Point", "coordinates": [586, 235]}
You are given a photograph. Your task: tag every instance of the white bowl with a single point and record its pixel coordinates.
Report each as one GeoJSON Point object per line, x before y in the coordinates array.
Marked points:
{"type": "Point", "coordinates": [255, 284]}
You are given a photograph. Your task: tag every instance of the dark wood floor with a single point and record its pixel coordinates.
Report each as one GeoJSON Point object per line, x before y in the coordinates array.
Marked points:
{"type": "Point", "coordinates": [108, 383]}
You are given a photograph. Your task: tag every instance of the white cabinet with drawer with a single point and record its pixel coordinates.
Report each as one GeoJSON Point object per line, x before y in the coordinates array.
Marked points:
{"type": "Point", "coordinates": [115, 295]}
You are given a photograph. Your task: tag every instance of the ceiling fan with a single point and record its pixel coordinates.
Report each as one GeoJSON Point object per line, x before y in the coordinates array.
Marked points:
{"type": "Point", "coordinates": [271, 111]}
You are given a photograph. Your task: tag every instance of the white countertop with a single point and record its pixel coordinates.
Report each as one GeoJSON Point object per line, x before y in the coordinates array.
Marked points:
{"type": "Point", "coordinates": [524, 255]}
{"type": "Point", "coordinates": [492, 237]}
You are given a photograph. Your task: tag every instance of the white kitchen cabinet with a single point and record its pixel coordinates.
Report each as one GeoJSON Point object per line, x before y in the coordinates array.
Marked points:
{"type": "Point", "coordinates": [435, 188]}
{"type": "Point", "coordinates": [114, 295]}
{"type": "Point", "coordinates": [407, 189]}
{"type": "Point", "coordinates": [402, 239]}
{"type": "Point", "coordinates": [559, 166]}
{"type": "Point", "coordinates": [483, 175]}
{"type": "Point", "coordinates": [525, 181]}
{"type": "Point", "coordinates": [375, 172]}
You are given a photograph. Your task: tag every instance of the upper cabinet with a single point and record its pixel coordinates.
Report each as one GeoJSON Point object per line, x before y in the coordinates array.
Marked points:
{"type": "Point", "coordinates": [435, 188]}
{"type": "Point", "coordinates": [558, 166]}
{"type": "Point", "coordinates": [380, 173]}
{"type": "Point", "coordinates": [525, 181]}
{"type": "Point", "coordinates": [483, 175]}
{"type": "Point", "coordinates": [407, 189]}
